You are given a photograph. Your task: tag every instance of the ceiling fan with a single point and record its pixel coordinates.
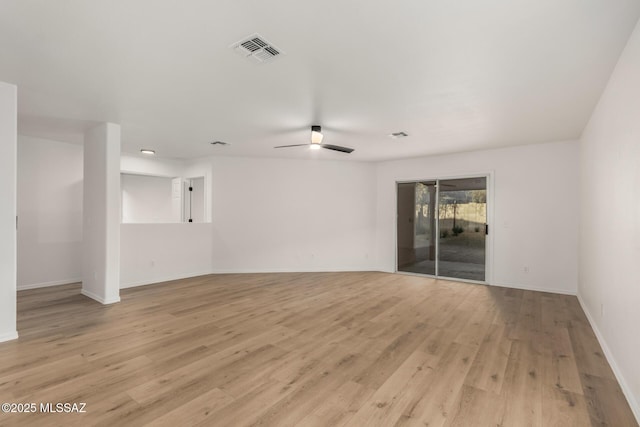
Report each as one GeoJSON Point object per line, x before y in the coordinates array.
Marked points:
{"type": "Point", "coordinates": [316, 142]}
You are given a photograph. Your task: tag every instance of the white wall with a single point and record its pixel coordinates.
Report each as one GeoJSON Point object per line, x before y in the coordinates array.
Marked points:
{"type": "Point", "coordinates": [153, 253]}
{"type": "Point", "coordinates": [535, 201]}
{"type": "Point", "coordinates": [292, 215]}
{"type": "Point", "coordinates": [268, 215]}
{"type": "Point", "coordinates": [153, 166]}
{"type": "Point", "coordinates": [50, 212]}
{"type": "Point", "coordinates": [609, 286]}
{"type": "Point", "coordinates": [184, 169]}
{"type": "Point", "coordinates": [147, 199]}
{"type": "Point", "coordinates": [8, 125]}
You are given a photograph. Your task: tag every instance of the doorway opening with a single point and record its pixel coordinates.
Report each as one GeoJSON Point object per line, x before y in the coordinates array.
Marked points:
{"type": "Point", "coordinates": [442, 228]}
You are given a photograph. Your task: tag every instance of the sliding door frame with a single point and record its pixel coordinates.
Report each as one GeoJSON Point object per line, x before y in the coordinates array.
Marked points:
{"type": "Point", "coordinates": [488, 275]}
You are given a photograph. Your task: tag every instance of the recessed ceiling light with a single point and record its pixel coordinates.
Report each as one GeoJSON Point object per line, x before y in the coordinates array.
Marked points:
{"type": "Point", "coordinates": [148, 152]}
{"type": "Point", "coordinates": [397, 135]}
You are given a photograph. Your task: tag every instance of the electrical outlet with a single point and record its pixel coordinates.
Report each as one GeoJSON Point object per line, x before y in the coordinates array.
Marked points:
{"type": "Point", "coordinates": [153, 263]}
{"type": "Point", "coordinates": [525, 269]}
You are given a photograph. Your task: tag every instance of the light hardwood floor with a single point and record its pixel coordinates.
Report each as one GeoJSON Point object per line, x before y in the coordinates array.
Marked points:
{"type": "Point", "coordinates": [331, 349]}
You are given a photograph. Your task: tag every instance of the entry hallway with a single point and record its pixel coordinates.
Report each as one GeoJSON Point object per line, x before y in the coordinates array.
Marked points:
{"type": "Point", "coordinates": [306, 349]}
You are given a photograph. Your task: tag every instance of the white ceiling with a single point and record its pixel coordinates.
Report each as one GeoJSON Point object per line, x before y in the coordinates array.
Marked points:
{"type": "Point", "coordinates": [455, 75]}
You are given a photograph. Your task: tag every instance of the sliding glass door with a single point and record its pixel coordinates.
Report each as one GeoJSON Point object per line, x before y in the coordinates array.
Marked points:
{"type": "Point", "coordinates": [462, 206]}
{"type": "Point", "coordinates": [441, 228]}
{"type": "Point", "coordinates": [416, 231]}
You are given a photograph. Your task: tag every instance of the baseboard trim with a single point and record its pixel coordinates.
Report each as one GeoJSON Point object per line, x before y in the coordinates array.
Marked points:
{"type": "Point", "coordinates": [47, 284]}
{"type": "Point", "coordinates": [163, 279]}
{"type": "Point", "coordinates": [229, 271]}
{"type": "Point", "coordinates": [635, 406]}
{"type": "Point", "coordinates": [9, 336]}
{"type": "Point", "coordinates": [98, 298]}
{"type": "Point", "coordinates": [292, 270]}
{"type": "Point", "coordinates": [500, 285]}
{"type": "Point", "coordinates": [257, 271]}
{"type": "Point", "coordinates": [534, 288]}
{"type": "Point", "coordinates": [327, 270]}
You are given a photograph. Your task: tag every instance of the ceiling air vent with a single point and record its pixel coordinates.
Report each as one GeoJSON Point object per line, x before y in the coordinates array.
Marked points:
{"type": "Point", "coordinates": [397, 135]}
{"type": "Point", "coordinates": [256, 49]}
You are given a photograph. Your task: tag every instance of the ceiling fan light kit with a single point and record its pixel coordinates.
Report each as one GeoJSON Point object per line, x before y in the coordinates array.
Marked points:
{"type": "Point", "coordinates": [316, 134]}
{"type": "Point", "coordinates": [316, 142]}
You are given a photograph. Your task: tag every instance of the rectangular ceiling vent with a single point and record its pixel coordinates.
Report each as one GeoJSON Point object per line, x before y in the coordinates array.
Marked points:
{"type": "Point", "coordinates": [397, 135]}
{"type": "Point", "coordinates": [256, 49]}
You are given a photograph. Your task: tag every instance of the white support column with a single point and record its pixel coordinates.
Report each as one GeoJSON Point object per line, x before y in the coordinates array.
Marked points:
{"type": "Point", "coordinates": [101, 214]}
{"type": "Point", "coordinates": [8, 161]}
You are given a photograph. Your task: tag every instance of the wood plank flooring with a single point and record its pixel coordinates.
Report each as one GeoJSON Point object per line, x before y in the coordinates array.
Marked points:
{"type": "Point", "coordinates": [312, 349]}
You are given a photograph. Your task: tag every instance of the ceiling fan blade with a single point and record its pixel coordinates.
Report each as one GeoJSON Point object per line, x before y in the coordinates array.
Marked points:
{"type": "Point", "coordinates": [294, 145]}
{"type": "Point", "coordinates": [337, 148]}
